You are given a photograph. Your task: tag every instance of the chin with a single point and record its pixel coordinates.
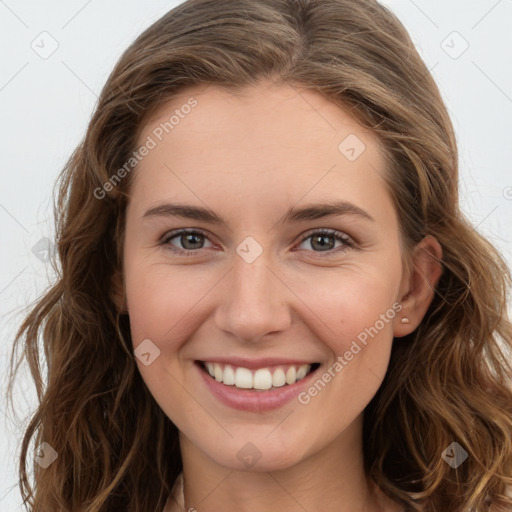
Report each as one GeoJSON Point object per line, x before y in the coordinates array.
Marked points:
{"type": "Point", "coordinates": [255, 453]}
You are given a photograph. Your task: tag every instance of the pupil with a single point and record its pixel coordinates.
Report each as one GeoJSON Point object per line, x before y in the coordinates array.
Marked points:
{"type": "Point", "coordinates": [187, 239]}
{"type": "Point", "coordinates": [322, 238]}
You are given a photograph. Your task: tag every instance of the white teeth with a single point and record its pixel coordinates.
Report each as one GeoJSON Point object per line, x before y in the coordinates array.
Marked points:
{"type": "Point", "coordinates": [229, 376]}
{"type": "Point", "coordinates": [262, 379]}
{"type": "Point", "coordinates": [301, 372]}
{"type": "Point", "coordinates": [243, 378]}
{"type": "Point", "coordinates": [291, 375]}
{"type": "Point", "coordinates": [278, 379]}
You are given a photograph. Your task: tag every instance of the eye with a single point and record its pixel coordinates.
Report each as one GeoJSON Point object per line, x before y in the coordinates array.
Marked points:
{"type": "Point", "coordinates": [325, 239]}
{"type": "Point", "coordinates": [189, 240]}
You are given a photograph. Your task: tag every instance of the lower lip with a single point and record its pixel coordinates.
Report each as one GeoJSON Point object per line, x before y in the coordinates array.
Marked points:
{"type": "Point", "coordinates": [252, 400]}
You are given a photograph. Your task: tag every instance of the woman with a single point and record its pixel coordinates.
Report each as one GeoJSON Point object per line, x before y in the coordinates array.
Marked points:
{"type": "Point", "coordinates": [338, 338]}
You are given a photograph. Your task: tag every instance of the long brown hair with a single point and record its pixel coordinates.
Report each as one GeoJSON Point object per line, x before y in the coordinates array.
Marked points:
{"type": "Point", "coordinates": [448, 381]}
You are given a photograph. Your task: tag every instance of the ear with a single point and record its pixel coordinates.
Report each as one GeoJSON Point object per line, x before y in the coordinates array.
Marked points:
{"type": "Point", "coordinates": [418, 286]}
{"type": "Point", "coordinates": [117, 293]}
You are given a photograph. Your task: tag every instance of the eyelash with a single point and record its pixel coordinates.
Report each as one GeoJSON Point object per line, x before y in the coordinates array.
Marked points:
{"type": "Point", "coordinates": [347, 241]}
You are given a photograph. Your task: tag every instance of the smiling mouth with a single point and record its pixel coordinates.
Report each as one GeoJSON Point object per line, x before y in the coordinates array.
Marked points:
{"type": "Point", "coordinates": [261, 379]}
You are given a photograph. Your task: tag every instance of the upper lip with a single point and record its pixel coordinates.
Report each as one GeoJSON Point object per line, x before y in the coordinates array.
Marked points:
{"type": "Point", "coordinates": [242, 362]}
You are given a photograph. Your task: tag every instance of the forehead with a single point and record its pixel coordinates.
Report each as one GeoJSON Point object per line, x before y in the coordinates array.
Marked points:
{"type": "Point", "coordinates": [256, 112]}
{"type": "Point", "coordinates": [259, 141]}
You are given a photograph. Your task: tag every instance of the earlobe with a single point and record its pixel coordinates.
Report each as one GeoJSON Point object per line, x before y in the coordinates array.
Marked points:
{"type": "Point", "coordinates": [426, 269]}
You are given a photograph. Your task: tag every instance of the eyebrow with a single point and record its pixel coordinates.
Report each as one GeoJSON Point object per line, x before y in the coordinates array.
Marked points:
{"type": "Point", "coordinates": [293, 214]}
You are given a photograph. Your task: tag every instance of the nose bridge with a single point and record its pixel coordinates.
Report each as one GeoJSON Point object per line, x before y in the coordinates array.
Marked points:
{"type": "Point", "coordinates": [251, 283]}
{"type": "Point", "coordinates": [254, 302]}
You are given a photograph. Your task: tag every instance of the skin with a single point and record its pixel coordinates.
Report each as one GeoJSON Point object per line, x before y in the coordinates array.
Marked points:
{"type": "Point", "coordinates": [249, 157]}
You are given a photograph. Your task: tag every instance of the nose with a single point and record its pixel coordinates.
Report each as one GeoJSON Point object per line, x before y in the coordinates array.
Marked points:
{"type": "Point", "coordinates": [254, 301]}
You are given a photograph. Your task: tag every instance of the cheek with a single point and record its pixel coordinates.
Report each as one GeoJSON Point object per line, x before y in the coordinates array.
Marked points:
{"type": "Point", "coordinates": [355, 315]}
{"type": "Point", "coordinates": [161, 305]}
{"type": "Point", "coordinates": [351, 305]}
{"type": "Point", "coordinates": [161, 301]}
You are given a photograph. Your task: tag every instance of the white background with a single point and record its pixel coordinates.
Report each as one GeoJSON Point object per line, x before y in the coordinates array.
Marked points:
{"type": "Point", "coordinates": [45, 106]}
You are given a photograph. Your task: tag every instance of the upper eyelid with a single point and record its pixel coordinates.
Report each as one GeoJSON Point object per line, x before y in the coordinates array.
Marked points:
{"type": "Point", "coordinates": [184, 231]}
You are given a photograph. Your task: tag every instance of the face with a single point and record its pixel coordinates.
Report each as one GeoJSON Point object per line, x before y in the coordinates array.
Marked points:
{"type": "Point", "coordinates": [261, 246]}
